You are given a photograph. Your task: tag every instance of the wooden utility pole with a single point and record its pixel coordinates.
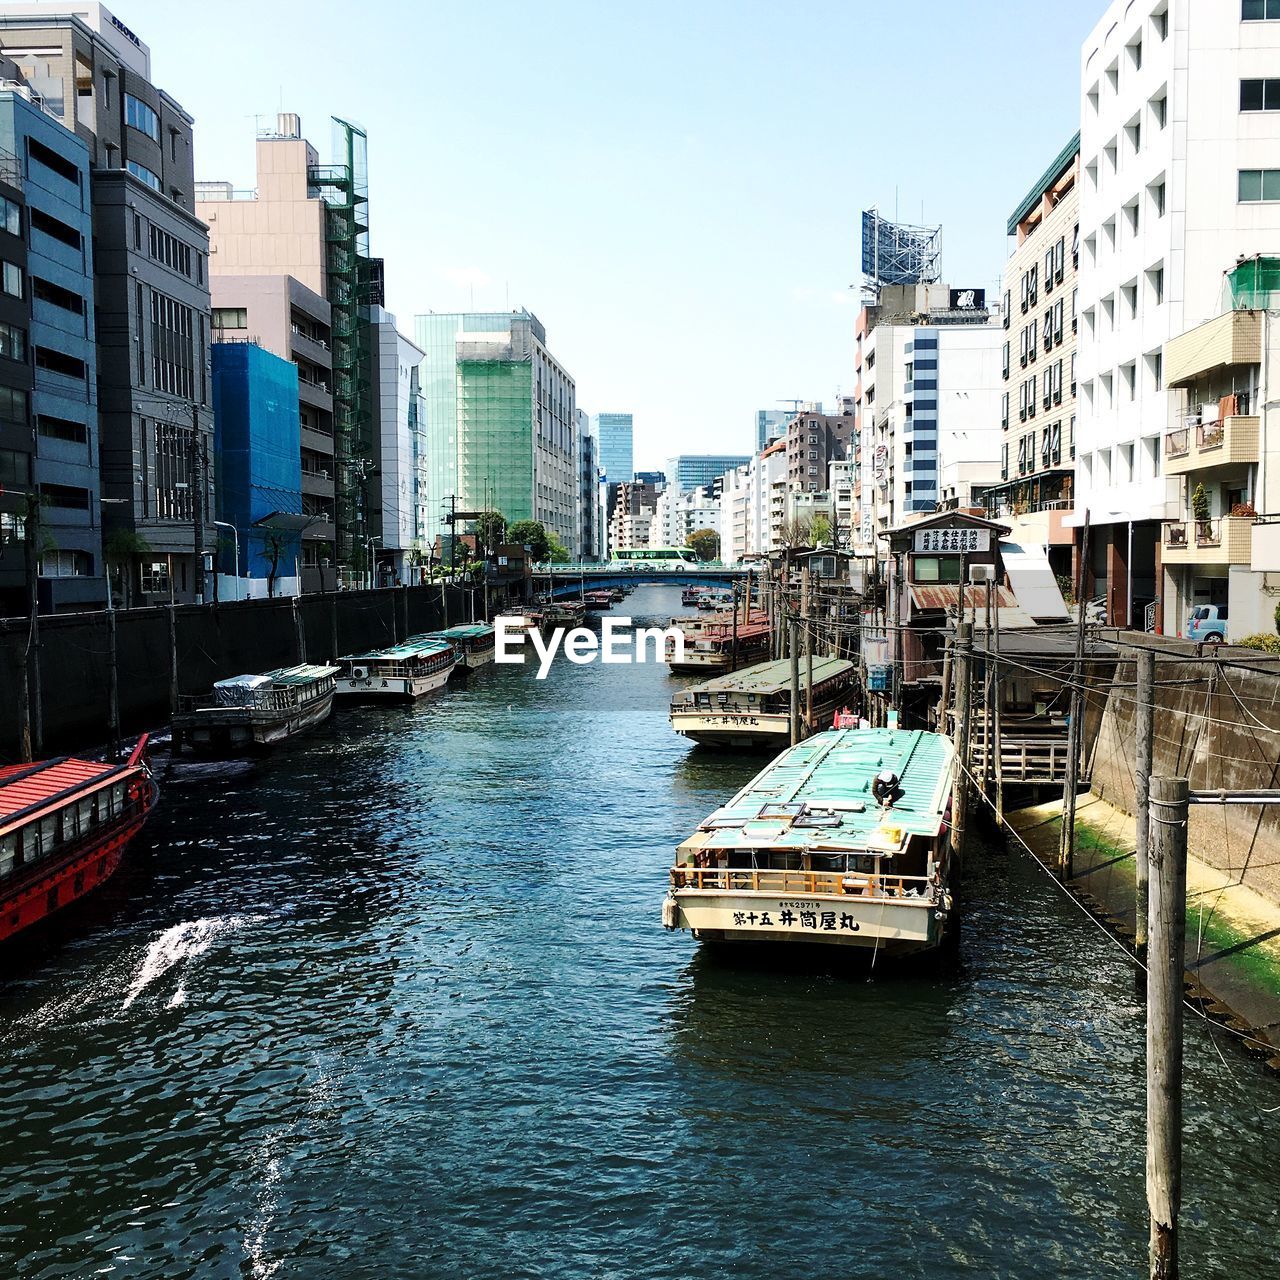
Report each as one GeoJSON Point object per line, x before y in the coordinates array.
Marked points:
{"type": "Point", "coordinates": [1167, 952]}
{"type": "Point", "coordinates": [113, 685]}
{"type": "Point", "coordinates": [960, 787]}
{"type": "Point", "coordinates": [1067, 844]}
{"type": "Point", "coordinates": [733, 650]}
{"type": "Point", "coordinates": [299, 630]}
{"type": "Point", "coordinates": [173, 658]}
{"type": "Point", "coordinates": [944, 703]}
{"type": "Point", "coordinates": [793, 646]}
{"type": "Point", "coordinates": [28, 665]}
{"type": "Point", "coordinates": [806, 622]}
{"type": "Point", "coordinates": [1145, 696]}
{"type": "Point", "coordinates": [333, 626]}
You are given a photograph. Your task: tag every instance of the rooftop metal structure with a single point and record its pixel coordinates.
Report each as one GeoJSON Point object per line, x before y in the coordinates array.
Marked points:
{"type": "Point", "coordinates": [898, 253]}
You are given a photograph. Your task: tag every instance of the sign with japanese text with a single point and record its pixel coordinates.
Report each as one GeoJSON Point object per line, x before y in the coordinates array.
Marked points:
{"type": "Point", "coordinates": [962, 541]}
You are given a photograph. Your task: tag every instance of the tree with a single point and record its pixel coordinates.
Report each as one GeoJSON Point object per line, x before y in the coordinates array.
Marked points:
{"type": "Point", "coordinates": [1200, 504]}
{"type": "Point", "coordinates": [705, 544]}
{"type": "Point", "coordinates": [490, 529]}
{"type": "Point", "coordinates": [274, 545]}
{"type": "Point", "coordinates": [531, 534]}
{"type": "Point", "coordinates": [119, 548]}
{"type": "Point", "coordinates": [795, 533]}
{"type": "Point", "coordinates": [820, 530]}
{"type": "Point", "coordinates": [557, 552]}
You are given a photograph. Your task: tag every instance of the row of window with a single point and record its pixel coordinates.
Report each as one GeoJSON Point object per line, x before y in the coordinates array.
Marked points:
{"type": "Point", "coordinates": [1123, 465]}
{"type": "Point", "coordinates": [1101, 393]}
{"type": "Point", "coordinates": [1159, 22]}
{"type": "Point", "coordinates": [1260, 10]}
{"type": "Point", "coordinates": [141, 117]}
{"type": "Point", "coordinates": [1257, 185]}
{"type": "Point", "coordinates": [1050, 453]}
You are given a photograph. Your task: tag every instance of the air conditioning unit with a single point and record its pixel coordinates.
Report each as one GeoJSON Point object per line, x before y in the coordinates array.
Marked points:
{"type": "Point", "coordinates": [981, 573]}
{"type": "Point", "coordinates": [359, 673]}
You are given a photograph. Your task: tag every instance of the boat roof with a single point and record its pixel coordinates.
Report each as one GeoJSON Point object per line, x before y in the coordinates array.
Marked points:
{"type": "Point", "coordinates": [303, 673]}
{"type": "Point", "coordinates": [464, 631]}
{"type": "Point", "coordinates": [27, 788]}
{"type": "Point", "coordinates": [770, 677]}
{"type": "Point", "coordinates": [405, 651]}
{"type": "Point", "coordinates": [817, 794]}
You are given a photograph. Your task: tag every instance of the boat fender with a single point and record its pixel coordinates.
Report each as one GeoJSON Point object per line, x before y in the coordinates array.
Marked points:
{"type": "Point", "coordinates": [670, 913]}
{"type": "Point", "coordinates": [884, 787]}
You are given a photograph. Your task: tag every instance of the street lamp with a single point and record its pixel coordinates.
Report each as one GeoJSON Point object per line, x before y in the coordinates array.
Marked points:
{"type": "Point", "coordinates": [368, 553]}
{"type": "Point", "coordinates": [235, 538]}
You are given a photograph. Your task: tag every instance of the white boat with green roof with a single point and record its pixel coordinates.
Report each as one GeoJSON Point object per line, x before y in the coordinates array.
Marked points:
{"type": "Point", "coordinates": [752, 707]}
{"type": "Point", "coordinates": [843, 840]}
{"type": "Point", "coordinates": [406, 670]}
{"type": "Point", "coordinates": [474, 642]}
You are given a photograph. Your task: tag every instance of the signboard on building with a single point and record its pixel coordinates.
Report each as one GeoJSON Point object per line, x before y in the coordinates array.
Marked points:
{"type": "Point", "coordinates": [968, 299]}
{"type": "Point", "coordinates": [962, 541]}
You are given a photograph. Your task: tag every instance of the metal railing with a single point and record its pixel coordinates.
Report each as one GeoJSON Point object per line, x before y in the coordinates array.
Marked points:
{"type": "Point", "coordinates": [1177, 443]}
{"type": "Point", "coordinates": [847, 884]}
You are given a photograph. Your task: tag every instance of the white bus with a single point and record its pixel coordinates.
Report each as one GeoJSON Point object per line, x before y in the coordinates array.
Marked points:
{"type": "Point", "coordinates": [662, 558]}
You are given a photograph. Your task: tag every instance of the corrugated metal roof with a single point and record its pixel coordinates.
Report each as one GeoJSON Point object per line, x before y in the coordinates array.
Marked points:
{"type": "Point", "coordinates": [303, 673]}
{"type": "Point", "coordinates": [24, 785]}
{"type": "Point", "coordinates": [415, 646]}
{"type": "Point", "coordinates": [1049, 176]}
{"type": "Point", "coordinates": [770, 677]}
{"type": "Point", "coordinates": [464, 631]}
{"type": "Point", "coordinates": [942, 596]}
{"type": "Point", "coordinates": [822, 790]}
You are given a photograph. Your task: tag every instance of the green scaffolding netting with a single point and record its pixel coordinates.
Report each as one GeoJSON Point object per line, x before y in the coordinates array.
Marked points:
{"type": "Point", "coordinates": [1253, 286]}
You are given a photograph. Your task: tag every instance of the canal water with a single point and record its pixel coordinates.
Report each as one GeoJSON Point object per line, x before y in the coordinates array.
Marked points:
{"type": "Point", "coordinates": [397, 1002]}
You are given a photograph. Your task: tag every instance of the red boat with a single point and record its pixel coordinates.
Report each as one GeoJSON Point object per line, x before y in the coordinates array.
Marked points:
{"type": "Point", "coordinates": [64, 827]}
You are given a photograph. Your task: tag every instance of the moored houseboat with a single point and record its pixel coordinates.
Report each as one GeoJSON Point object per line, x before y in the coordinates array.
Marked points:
{"type": "Point", "coordinates": [64, 827]}
{"type": "Point", "coordinates": [597, 601]}
{"type": "Point", "coordinates": [407, 670]}
{"type": "Point", "coordinates": [473, 641]}
{"type": "Point", "coordinates": [841, 841]}
{"type": "Point", "coordinates": [718, 646]}
{"type": "Point", "coordinates": [691, 595]}
{"type": "Point", "coordinates": [248, 712]}
{"type": "Point", "coordinates": [752, 707]}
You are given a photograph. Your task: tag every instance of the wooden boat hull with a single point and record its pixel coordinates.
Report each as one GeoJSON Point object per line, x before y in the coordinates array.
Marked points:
{"type": "Point", "coordinates": [751, 731]}
{"type": "Point", "coordinates": [473, 661]}
{"type": "Point", "coordinates": [895, 927]}
{"type": "Point", "coordinates": [228, 730]}
{"type": "Point", "coordinates": [713, 661]}
{"type": "Point", "coordinates": [55, 886]}
{"type": "Point", "coordinates": [393, 687]}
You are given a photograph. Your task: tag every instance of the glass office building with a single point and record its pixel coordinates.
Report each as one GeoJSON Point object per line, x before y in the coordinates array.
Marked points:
{"type": "Point", "coordinates": [616, 455]}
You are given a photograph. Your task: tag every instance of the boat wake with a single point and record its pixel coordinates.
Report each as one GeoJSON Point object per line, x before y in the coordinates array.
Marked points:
{"type": "Point", "coordinates": [181, 943]}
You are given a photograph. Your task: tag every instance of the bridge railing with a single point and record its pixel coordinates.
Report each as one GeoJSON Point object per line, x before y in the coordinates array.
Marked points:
{"type": "Point", "coordinates": [615, 567]}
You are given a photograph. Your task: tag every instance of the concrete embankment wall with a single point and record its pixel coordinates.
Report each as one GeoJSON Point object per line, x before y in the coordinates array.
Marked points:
{"type": "Point", "coordinates": [213, 642]}
{"type": "Point", "coordinates": [1217, 723]}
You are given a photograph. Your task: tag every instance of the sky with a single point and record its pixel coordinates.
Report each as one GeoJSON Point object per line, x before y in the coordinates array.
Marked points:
{"type": "Point", "coordinates": [674, 189]}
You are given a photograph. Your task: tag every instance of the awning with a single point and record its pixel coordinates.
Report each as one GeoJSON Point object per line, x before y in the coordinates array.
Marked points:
{"type": "Point", "coordinates": [287, 521]}
{"type": "Point", "coordinates": [1033, 582]}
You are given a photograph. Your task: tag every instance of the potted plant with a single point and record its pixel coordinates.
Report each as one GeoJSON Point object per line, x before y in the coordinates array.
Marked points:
{"type": "Point", "coordinates": [1243, 509]}
{"type": "Point", "coordinates": [1200, 509]}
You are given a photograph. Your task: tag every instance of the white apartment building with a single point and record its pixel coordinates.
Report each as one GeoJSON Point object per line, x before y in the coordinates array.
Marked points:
{"type": "Point", "coordinates": [928, 400]}
{"type": "Point", "coordinates": [679, 514]}
{"type": "Point", "coordinates": [1180, 180]}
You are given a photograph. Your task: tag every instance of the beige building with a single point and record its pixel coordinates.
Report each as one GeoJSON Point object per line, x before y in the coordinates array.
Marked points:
{"type": "Point", "coordinates": [1038, 413]}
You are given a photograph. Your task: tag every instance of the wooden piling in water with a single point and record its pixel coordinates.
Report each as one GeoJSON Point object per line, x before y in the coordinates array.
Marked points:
{"type": "Point", "coordinates": [960, 787]}
{"type": "Point", "coordinates": [1145, 697]}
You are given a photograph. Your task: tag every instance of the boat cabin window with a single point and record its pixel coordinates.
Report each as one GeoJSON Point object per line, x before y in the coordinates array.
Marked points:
{"type": "Point", "coordinates": [30, 842]}
{"type": "Point", "coordinates": [722, 699]}
{"type": "Point", "coordinates": [8, 852]}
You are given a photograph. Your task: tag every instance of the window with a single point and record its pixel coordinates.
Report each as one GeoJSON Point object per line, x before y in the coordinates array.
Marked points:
{"type": "Point", "coordinates": [171, 251]}
{"type": "Point", "coordinates": [1004, 410]}
{"type": "Point", "coordinates": [1033, 342]}
{"type": "Point", "coordinates": [141, 171]}
{"type": "Point", "coordinates": [1260, 10]}
{"type": "Point", "coordinates": [13, 404]}
{"type": "Point", "coordinates": [15, 469]}
{"type": "Point", "coordinates": [13, 342]}
{"type": "Point", "coordinates": [55, 227]}
{"type": "Point", "coordinates": [1155, 284]}
{"type": "Point", "coordinates": [10, 216]}
{"type": "Point", "coordinates": [1059, 259]}
{"type": "Point", "coordinates": [45, 291]}
{"type": "Point", "coordinates": [1031, 397]}
{"type": "Point", "coordinates": [172, 349]}
{"type": "Point", "coordinates": [173, 472]}
{"type": "Point", "coordinates": [1260, 95]}
{"type": "Point", "coordinates": [60, 363]}
{"type": "Point", "coordinates": [137, 115]}
{"type": "Point", "coordinates": [1032, 287]}
{"type": "Point", "coordinates": [1058, 312]}
{"type": "Point", "coordinates": [66, 564]}
{"type": "Point", "coordinates": [62, 429]}
{"type": "Point", "coordinates": [1155, 193]}
{"type": "Point", "coordinates": [155, 577]}
{"type": "Point", "coordinates": [1159, 109]}
{"type": "Point", "coordinates": [11, 279]}
{"type": "Point", "coordinates": [52, 161]}
{"type": "Point", "coordinates": [1006, 357]}
{"type": "Point", "coordinates": [1257, 185]}
{"type": "Point", "coordinates": [64, 497]}
{"type": "Point", "coordinates": [935, 568]}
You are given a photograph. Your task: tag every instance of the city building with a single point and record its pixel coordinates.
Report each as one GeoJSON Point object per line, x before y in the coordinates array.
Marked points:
{"type": "Point", "coordinates": [814, 440]}
{"type": "Point", "coordinates": [152, 301]}
{"type": "Point", "coordinates": [693, 470]}
{"type": "Point", "coordinates": [1223, 378]}
{"type": "Point", "coordinates": [17, 434]}
{"type": "Point", "coordinates": [588, 544]}
{"type": "Point", "coordinates": [771, 424]}
{"type": "Point", "coordinates": [282, 315]}
{"type": "Point", "coordinates": [614, 431]}
{"type": "Point", "coordinates": [310, 221]}
{"type": "Point", "coordinates": [632, 506]}
{"type": "Point", "coordinates": [397, 518]}
{"type": "Point", "coordinates": [58, 341]}
{"type": "Point", "coordinates": [1179, 184]}
{"type": "Point", "coordinates": [501, 422]}
{"type": "Point", "coordinates": [1038, 419]}
{"type": "Point", "coordinates": [928, 405]}
{"type": "Point", "coordinates": [658, 479]}
{"type": "Point", "coordinates": [679, 513]}
{"type": "Point", "coordinates": [258, 456]}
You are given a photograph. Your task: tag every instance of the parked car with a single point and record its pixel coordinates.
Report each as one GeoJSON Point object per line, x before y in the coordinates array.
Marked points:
{"type": "Point", "coordinates": [1208, 623]}
{"type": "Point", "coordinates": [1095, 611]}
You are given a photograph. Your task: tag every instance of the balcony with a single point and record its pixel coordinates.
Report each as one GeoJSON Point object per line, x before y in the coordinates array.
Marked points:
{"type": "Point", "coordinates": [1211, 444]}
{"type": "Point", "coordinates": [1226, 540]}
{"type": "Point", "coordinates": [317, 483]}
{"type": "Point", "coordinates": [1231, 339]}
